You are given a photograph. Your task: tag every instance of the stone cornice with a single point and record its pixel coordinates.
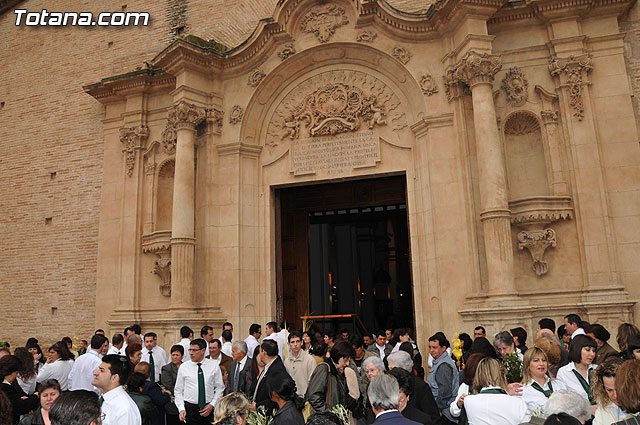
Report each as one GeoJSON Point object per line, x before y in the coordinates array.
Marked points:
{"type": "Point", "coordinates": [114, 88]}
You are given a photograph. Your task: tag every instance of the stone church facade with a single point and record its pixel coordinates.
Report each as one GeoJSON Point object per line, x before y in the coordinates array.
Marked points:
{"type": "Point", "coordinates": [512, 125]}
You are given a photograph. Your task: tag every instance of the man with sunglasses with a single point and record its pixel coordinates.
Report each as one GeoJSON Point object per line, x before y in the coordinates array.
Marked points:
{"type": "Point", "coordinates": [199, 386]}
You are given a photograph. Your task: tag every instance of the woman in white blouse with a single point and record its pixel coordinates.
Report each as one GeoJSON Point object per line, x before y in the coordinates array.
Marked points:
{"type": "Point", "coordinates": [490, 404]}
{"type": "Point", "coordinates": [58, 365]}
{"type": "Point", "coordinates": [605, 393]}
{"type": "Point", "coordinates": [538, 386]}
{"type": "Point", "coordinates": [577, 374]}
{"type": "Point", "coordinates": [468, 373]}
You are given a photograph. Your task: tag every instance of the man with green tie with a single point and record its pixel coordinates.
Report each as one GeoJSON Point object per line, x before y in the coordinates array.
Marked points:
{"type": "Point", "coordinates": [154, 355]}
{"type": "Point", "coordinates": [199, 386]}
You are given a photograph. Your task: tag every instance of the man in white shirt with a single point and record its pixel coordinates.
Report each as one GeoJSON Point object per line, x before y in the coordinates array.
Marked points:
{"type": "Point", "coordinates": [273, 332]}
{"type": "Point", "coordinates": [255, 332]}
{"type": "Point", "coordinates": [206, 333]}
{"type": "Point", "coordinates": [81, 374]}
{"type": "Point", "coordinates": [381, 348]}
{"type": "Point", "coordinates": [239, 370]}
{"type": "Point", "coordinates": [216, 354]}
{"type": "Point", "coordinates": [186, 333]}
{"type": "Point", "coordinates": [573, 325]}
{"type": "Point", "coordinates": [226, 342]}
{"type": "Point", "coordinates": [154, 355]}
{"type": "Point", "coordinates": [117, 344]}
{"type": "Point", "coordinates": [227, 326]}
{"type": "Point", "coordinates": [118, 408]}
{"type": "Point", "coordinates": [199, 386]}
{"type": "Point", "coordinates": [300, 365]}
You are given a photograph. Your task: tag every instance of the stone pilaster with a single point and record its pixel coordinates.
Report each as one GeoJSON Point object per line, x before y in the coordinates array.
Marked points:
{"type": "Point", "coordinates": [184, 117]}
{"type": "Point", "coordinates": [477, 70]}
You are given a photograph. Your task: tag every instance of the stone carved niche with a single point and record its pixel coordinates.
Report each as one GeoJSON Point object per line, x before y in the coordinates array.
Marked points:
{"type": "Point", "coordinates": [133, 139]}
{"type": "Point", "coordinates": [323, 20]}
{"type": "Point", "coordinates": [331, 103]}
{"type": "Point", "coordinates": [516, 87]}
{"type": "Point", "coordinates": [532, 208]}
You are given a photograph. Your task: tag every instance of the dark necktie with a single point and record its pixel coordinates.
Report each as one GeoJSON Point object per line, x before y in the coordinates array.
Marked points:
{"type": "Point", "coordinates": [201, 396]}
{"type": "Point", "coordinates": [236, 378]}
{"type": "Point", "coordinates": [101, 400]}
{"type": "Point", "coordinates": [152, 374]}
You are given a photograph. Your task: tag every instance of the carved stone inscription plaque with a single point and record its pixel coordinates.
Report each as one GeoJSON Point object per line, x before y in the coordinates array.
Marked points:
{"type": "Point", "coordinates": [335, 155]}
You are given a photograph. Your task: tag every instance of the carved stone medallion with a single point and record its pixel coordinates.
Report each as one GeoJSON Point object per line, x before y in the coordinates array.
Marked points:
{"type": "Point", "coordinates": [428, 84]}
{"type": "Point", "coordinates": [402, 54]}
{"type": "Point", "coordinates": [255, 77]}
{"type": "Point", "coordinates": [323, 21]}
{"type": "Point", "coordinates": [331, 103]}
{"type": "Point", "coordinates": [237, 112]}
{"type": "Point", "coordinates": [366, 36]}
{"type": "Point", "coordinates": [286, 51]}
{"type": "Point", "coordinates": [516, 86]}
{"type": "Point", "coordinates": [169, 139]}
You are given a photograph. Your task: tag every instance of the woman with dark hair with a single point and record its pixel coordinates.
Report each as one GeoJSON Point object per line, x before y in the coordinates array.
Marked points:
{"type": "Point", "coordinates": [633, 348]}
{"type": "Point", "coordinates": [58, 365]}
{"type": "Point", "coordinates": [283, 392]}
{"type": "Point", "coordinates": [467, 342]}
{"type": "Point", "coordinates": [168, 379]}
{"type": "Point", "coordinates": [134, 354]}
{"type": "Point", "coordinates": [604, 392]}
{"type": "Point", "coordinates": [628, 391]}
{"type": "Point", "coordinates": [69, 344]}
{"type": "Point", "coordinates": [625, 332]}
{"type": "Point", "coordinates": [20, 403]}
{"type": "Point", "coordinates": [27, 374]}
{"type": "Point", "coordinates": [159, 397]}
{"type": "Point", "coordinates": [603, 350]}
{"type": "Point", "coordinates": [520, 338]}
{"type": "Point", "coordinates": [538, 385]}
{"type": "Point", "coordinates": [466, 382]}
{"type": "Point", "coordinates": [483, 346]}
{"type": "Point", "coordinates": [135, 385]}
{"type": "Point", "coordinates": [6, 415]}
{"type": "Point", "coordinates": [36, 352]}
{"type": "Point", "coordinates": [257, 366]}
{"type": "Point", "coordinates": [327, 386]}
{"type": "Point", "coordinates": [49, 392]}
{"type": "Point", "coordinates": [577, 374]}
{"type": "Point", "coordinates": [307, 340]}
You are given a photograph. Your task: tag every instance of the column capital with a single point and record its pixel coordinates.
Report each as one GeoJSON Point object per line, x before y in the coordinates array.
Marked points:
{"type": "Point", "coordinates": [475, 68]}
{"type": "Point", "coordinates": [572, 68]}
{"type": "Point", "coordinates": [185, 115]}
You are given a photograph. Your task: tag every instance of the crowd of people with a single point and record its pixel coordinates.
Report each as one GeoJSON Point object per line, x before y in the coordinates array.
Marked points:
{"type": "Point", "coordinates": [571, 375]}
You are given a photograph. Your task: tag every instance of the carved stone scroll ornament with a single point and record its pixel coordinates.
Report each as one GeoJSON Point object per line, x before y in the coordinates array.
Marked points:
{"type": "Point", "coordinates": [401, 54]}
{"type": "Point", "coordinates": [475, 68]}
{"type": "Point", "coordinates": [159, 244]}
{"type": "Point", "coordinates": [162, 268]}
{"type": "Point", "coordinates": [255, 77]}
{"type": "Point", "coordinates": [215, 116]}
{"type": "Point", "coordinates": [366, 36]}
{"type": "Point", "coordinates": [428, 84]}
{"type": "Point", "coordinates": [573, 67]}
{"type": "Point", "coordinates": [237, 112]}
{"type": "Point", "coordinates": [549, 116]}
{"type": "Point", "coordinates": [323, 21]}
{"type": "Point", "coordinates": [286, 51]}
{"type": "Point", "coordinates": [185, 115]}
{"type": "Point", "coordinates": [537, 242]}
{"type": "Point", "coordinates": [133, 139]}
{"type": "Point", "coordinates": [516, 87]}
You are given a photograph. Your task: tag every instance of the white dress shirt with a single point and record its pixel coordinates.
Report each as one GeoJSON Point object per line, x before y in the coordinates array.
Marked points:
{"type": "Point", "coordinates": [186, 342]}
{"type": "Point", "coordinates": [226, 349]}
{"type": "Point", "coordinates": [81, 373]}
{"type": "Point", "coordinates": [252, 343]}
{"type": "Point", "coordinates": [537, 401]}
{"type": "Point", "coordinates": [278, 337]}
{"type": "Point", "coordinates": [495, 409]}
{"type": "Point", "coordinates": [453, 407]}
{"type": "Point", "coordinates": [114, 350]}
{"type": "Point", "coordinates": [186, 388]}
{"type": "Point", "coordinates": [577, 332]}
{"type": "Point", "coordinates": [159, 360]}
{"type": "Point", "coordinates": [120, 409]}
{"type": "Point", "coordinates": [566, 375]}
{"type": "Point", "coordinates": [58, 370]}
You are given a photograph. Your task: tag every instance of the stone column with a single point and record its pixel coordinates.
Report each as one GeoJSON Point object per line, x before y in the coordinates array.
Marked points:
{"type": "Point", "coordinates": [184, 117]}
{"type": "Point", "coordinates": [478, 70]}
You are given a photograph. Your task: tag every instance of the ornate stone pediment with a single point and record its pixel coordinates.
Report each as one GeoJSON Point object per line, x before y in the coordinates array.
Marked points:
{"type": "Point", "coordinates": [331, 103]}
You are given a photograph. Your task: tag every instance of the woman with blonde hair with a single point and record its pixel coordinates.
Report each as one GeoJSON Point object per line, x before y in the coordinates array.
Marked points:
{"type": "Point", "coordinates": [553, 352]}
{"type": "Point", "coordinates": [490, 404]}
{"type": "Point", "coordinates": [231, 409]}
{"type": "Point", "coordinates": [604, 392]}
{"type": "Point", "coordinates": [538, 385]}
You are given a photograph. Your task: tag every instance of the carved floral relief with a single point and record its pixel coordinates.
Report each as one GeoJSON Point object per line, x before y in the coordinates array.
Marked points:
{"type": "Point", "coordinates": [401, 54]}
{"type": "Point", "coordinates": [474, 68]}
{"type": "Point", "coordinates": [516, 87]}
{"type": "Point", "coordinates": [169, 139]}
{"type": "Point", "coordinates": [323, 21]}
{"type": "Point", "coordinates": [331, 103]}
{"type": "Point", "coordinates": [428, 84]}
{"type": "Point", "coordinates": [573, 67]}
{"type": "Point", "coordinates": [366, 36]}
{"type": "Point", "coordinates": [185, 114]}
{"type": "Point", "coordinates": [255, 77]}
{"type": "Point", "coordinates": [237, 112]}
{"type": "Point", "coordinates": [132, 138]}
{"type": "Point", "coordinates": [215, 116]}
{"type": "Point", "coordinates": [286, 51]}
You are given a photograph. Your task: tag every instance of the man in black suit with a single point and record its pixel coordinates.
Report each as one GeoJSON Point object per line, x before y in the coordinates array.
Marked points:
{"type": "Point", "coordinates": [383, 395]}
{"type": "Point", "coordinates": [406, 388]}
{"type": "Point", "coordinates": [239, 370]}
{"type": "Point", "coordinates": [274, 366]}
